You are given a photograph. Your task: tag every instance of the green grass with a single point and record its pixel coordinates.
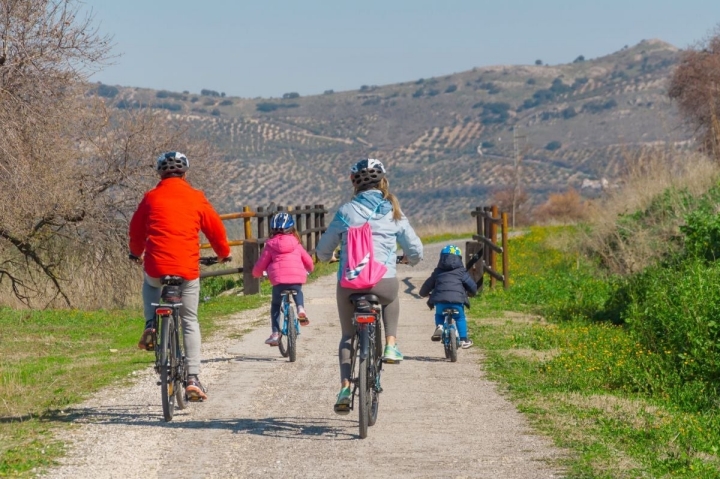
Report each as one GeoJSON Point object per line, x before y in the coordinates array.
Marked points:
{"type": "Point", "coordinates": [50, 360]}
{"type": "Point", "coordinates": [591, 384]}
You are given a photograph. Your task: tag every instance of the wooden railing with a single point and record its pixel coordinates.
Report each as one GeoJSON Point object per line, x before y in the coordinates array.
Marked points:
{"type": "Point", "coordinates": [309, 222]}
{"type": "Point", "coordinates": [485, 245]}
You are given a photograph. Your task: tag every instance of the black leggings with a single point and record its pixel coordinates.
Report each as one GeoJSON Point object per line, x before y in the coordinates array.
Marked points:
{"type": "Point", "coordinates": [387, 291]}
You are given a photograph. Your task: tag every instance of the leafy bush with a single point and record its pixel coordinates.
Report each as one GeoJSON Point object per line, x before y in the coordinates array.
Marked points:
{"type": "Point", "coordinates": [597, 106]}
{"type": "Point", "coordinates": [433, 92]}
{"type": "Point", "coordinates": [268, 106]}
{"type": "Point", "coordinates": [538, 62]}
{"type": "Point", "coordinates": [418, 93]}
{"type": "Point", "coordinates": [531, 81]}
{"type": "Point", "coordinates": [106, 91]}
{"type": "Point", "coordinates": [168, 106]}
{"type": "Point", "coordinates": [579, 59]}
{"type": "Point", "coordinates": [451, 88]}
{"type": "Point", "coordinates": [291, 95]}
{"type": "Point", "coordinates": [488, 144]}
{"type": "Point", "coordinates": [553, 145]}
{"type": "Point", "coordinates": [558, 87]}
{"type": "Point", "coordinates": [205, 92]}
{"type": "Point", "coordinates": [215, 112]}
{"type": "Point", "coordinates": [328, 92]}
{"type": "Point", "coordinates": [568, 113]}
{"type": "Point", "coordinates": [226, 103]}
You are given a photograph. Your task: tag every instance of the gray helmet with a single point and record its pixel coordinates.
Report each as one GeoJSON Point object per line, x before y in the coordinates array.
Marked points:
{"type": "Point", "coordinates": [367, 172]}
{"type": "Point", "coordinates": [172, 162]}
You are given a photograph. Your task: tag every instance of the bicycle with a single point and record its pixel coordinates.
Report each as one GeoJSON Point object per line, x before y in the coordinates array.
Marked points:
{"type": "Point", "coordinates": [450, 338]}
{"type": "Point", "coordinates": [290, 329]}
{"type": "Point", "coordinates": [168, 343]}
{"type": "Point", "coordinates": [366, 365]}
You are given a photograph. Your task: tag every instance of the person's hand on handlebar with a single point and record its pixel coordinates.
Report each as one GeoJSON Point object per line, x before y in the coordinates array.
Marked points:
{"type": "Point", "coordinates": [135, 259]}
{"type": "Point", "coordinates": [226, 259]}
{"type": "Point", "coordinates": [402, 260]}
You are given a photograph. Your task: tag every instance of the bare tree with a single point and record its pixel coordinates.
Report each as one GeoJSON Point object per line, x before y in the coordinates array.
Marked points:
{"type": "Point", "coordinates": [70, 172]}
{"type": "Point", "coordinates": [695, 85]}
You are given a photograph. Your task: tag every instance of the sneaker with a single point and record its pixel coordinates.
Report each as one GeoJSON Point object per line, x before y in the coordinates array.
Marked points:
{"type": "Point", "coordinates": [465, 343]}
{"type": "Point", "coordinates": [194, 390]}
{"type": "Point", "coordinates": [302, 317]}
{"type": "Point", "coordinates": [273, 340]}
{"type": "Point", "coordinates": [344, 399]}
{"type": "Point", "coordinates": [437, 335]}
{"type": "Point", "coordinates": [392, 354]}
{"type": "Point", "coordinates": [146, 340]}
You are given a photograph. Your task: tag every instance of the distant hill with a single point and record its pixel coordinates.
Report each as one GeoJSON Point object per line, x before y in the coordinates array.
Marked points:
{"type": "Point", "coordinates": [448, 141]}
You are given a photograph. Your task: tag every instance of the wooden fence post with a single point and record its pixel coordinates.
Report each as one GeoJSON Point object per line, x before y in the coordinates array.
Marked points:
{"type": "Point", "coordinates": [251, 254]}
{"type": "Point", "coordinates": [260, 223]}
{"type": "Point", "coordinates": [505, 253]}
{"type": "Point", "coordinates": [308, 224]}
{"type": "Point", "coordinates": [299, 223]}
{"type": "Point", "coordinates": [317, 224]}
{"type": "Point", "coordinates": [247, 223]}
{"type": "Point", "coordinates": [493, 238]}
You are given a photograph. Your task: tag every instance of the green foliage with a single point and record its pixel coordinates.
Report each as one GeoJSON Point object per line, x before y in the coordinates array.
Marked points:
{"type": "Point", "coordinates": [291, 95]}
{"type": "Point", "coordinates": [538, 62]}
{"type": "Point", "coordinates": [206, 92]}
{"type": "Point", "coordinates": [553, 145]}
{"type": "Point", "coordinates": [106, 91]}
{"type": "Point", "coordinates": [266, 107]}
{"type": "Point", "coordinates": [451, 88]}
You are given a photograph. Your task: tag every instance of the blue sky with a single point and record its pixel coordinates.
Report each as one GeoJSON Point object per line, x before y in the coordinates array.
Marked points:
{"type": "Point", "coordinates": [270, 47]}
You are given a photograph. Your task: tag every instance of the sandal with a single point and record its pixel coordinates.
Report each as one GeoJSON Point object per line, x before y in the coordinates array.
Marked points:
{"type": "Point", "coordinates": [146, 340]}
{"type": "Point", "coordinates": [302, 317]}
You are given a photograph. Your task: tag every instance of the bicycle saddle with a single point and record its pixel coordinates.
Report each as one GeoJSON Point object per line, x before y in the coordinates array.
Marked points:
{"type": "Point", "coordinates": [364, 302]}
{"type": "Point", "coordinates": [288, 291]}
{"type": "Point", "coordinates": [172, 280]}
{"type": "Point", "coordinates": [452, 311]}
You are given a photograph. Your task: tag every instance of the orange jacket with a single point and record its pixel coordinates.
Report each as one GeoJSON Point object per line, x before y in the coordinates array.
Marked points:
{"type": "Point", "coordinates": [166, 227]}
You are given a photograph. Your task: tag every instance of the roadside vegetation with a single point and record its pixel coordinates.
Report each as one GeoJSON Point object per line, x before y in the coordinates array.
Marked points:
{"type": "Point", "coordinates": [616, 354]}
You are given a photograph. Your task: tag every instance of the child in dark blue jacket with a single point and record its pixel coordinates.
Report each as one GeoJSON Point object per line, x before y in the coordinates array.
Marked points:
{"type": "Point", "coordinates": [448, 287]}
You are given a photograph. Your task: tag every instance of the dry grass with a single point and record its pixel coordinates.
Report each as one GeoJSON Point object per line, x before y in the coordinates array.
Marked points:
{"type": "Point", "coordinates": [631, 246]}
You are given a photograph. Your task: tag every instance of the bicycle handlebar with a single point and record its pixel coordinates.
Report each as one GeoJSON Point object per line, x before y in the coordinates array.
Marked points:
{"type": "Point", "coordinates": [211, 260]}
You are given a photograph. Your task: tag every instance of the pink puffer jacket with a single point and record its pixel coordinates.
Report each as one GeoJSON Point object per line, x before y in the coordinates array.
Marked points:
{"type": "Point", "coordinates": [285, 261]}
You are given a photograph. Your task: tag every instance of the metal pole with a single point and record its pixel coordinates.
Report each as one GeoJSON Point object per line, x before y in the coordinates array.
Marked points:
{"type": "Point", "coordinates": [505, 253]}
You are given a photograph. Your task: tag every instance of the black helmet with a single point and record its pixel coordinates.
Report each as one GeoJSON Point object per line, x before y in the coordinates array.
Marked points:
{"type": "Point", "coordinates": [172, 162]}
{"type": "Point", "coordinates": [367, 172]}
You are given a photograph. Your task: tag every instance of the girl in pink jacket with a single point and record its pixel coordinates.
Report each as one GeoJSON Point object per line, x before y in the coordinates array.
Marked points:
{"type": "Point", "coordinates": [287, 265]}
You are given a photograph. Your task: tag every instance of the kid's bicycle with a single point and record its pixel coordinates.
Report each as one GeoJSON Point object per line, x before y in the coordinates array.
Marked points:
{"type": "Point", "coordinates": [450, 338]}
{"type": "Point", "coordinates": [290, 328]}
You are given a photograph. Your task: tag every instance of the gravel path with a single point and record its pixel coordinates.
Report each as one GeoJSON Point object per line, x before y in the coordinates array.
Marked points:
{"type": "Point", "coordinates": [268, 417]}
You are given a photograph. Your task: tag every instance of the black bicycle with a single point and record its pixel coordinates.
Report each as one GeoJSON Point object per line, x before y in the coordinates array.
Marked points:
{"type": "Point", "coordinates": [290, 327]}
{"type": "Point", "coordinates": [168, 343]}
{"type": "Point", "coordinates": [169, 355]}
{"type": "Point", "coordinates": [366, 365]}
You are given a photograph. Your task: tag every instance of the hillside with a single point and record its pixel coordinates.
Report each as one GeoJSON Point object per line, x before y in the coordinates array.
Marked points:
{"type": "Point", "coordinates": [448, 141]}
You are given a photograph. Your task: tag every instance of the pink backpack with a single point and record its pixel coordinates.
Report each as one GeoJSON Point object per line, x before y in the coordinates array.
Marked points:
{"type": "Point", "coordinates": [361, 270]}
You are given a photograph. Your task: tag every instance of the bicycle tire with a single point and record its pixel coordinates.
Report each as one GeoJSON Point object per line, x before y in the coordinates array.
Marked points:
{"type": "Point", "coordinates": [166, 380]}
{"type": "Point", "coordinates": [283, 341]}
{"type": "Point", "coordinates": [292, 335]}
{"type": "Point", "coordinates": [179, 369]}
{"type": "Point", "coordinates": [363, 397]}
{"type": "Point", "coordinates": [453, 345]}
{"type": "Point", "coordinates": [375, 367]}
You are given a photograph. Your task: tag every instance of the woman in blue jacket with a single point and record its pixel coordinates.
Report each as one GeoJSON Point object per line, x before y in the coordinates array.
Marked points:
{"type": "Point", "coordinates": [374, 204]}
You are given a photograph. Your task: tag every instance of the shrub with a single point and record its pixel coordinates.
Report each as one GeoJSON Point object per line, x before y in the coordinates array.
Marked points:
{"type": "Point", "coordinates": [205, 92]}
{"type": "Point", "coordinates": [568, 113]}
{"type": "Point", "coordinates": [162, 94]}
{"type": "Point", "coordinates": [531, 81]}
{"type": "Point", "coordinates": [208, 102]}
{"type": "Point", "coordinates": [226, 103]}
{"type": "Point", "coordinates": [215, 112]}
{"type": "Point", "coordinates": [364, 88]}
{"type": "Point", "coordinates": [579, 59]}
{"type": "Point", "coordinates": [538, 62]}
{"type": "Point", "coordinates": [487, 145]}
{"type": "Point", "coordinates": [168, 106]}
{"type": "Point", "coordinates": [194, 99]}
{"type": "Point", "coordinates": [451, 88]}
{"type": "Point", "coordinates": [418, 93]}
{"type": "Point", "coordinates": [420, 81]}
{"type": "Point", "coordinates": [567, 207]}
{"type": "Point", "coordinates": [328, 92]}
{"type": "Point", "coordinates": [553, 145]}
{"type": "Point", "coordinates": [558, 87]}
{"type": "Point", "coordinates": [433, 92]}
{"type": "Point", "coordinates": [597, 106]}
{"type": "Point", "coordinates": [291, 95]}
{"type": "Point", "coordinates": [106, 91]}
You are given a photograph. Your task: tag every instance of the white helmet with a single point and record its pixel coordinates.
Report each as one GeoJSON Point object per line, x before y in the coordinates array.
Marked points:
{"type": "Point", "coordinates": [171, 163]}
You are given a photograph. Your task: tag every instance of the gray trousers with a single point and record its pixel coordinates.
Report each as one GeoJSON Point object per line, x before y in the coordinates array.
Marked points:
{"type": "Point", "coordinates": [188, 316]}
{"type": "Point", "coordinates": [387, 291]}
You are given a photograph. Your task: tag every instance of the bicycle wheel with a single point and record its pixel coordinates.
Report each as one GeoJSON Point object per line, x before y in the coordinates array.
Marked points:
{"type": "Point", "coordinates": [179, 369]}
{"type": "Point", "coordinates": [364, 396]}
{"type": "Point", "coordinates": [167, 383]}
{"type": "Point", "coordinates": [283, 341]}
{"type": "Point", "coordinates": [453, 345]}
{"type": "Point", "coordinates": [374, 368]}
{"type": "Point", "coordinates": [292, 334]}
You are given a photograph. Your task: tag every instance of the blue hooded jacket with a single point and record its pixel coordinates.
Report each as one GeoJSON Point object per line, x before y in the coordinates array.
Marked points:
{"type": "Point", "coordinates": [449, 283]}
{"type": "Point", "coordinates": [370, 206]}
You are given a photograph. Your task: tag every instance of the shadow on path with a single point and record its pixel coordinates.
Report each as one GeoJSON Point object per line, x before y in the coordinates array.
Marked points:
{"type": "Point", "coordinates": [410, 288]}
{"type": "Point", "coordinates": [285, 427]}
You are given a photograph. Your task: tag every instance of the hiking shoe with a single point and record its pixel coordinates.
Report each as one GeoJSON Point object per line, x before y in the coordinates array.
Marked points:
{"type": "Point", "coordinates": [194, 390]}
{"type": "Point", "coordinates": [465, 343]}
{"type": "Point", "coordinates": [302, 316]}
{"type": "Point", "coordinates": [273, 340]}
{"type": "Point", "coordinates": [392, 354]}
{"type": "Point", "coordinates": [146, 340]}
{"type": "Point", "coordinates": [437, 335]}
{"type": "Point", "coordinates": [344, 399]}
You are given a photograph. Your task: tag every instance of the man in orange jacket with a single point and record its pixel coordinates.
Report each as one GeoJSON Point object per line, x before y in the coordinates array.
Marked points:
{"type": "Point", "coordinates": [166, 229]}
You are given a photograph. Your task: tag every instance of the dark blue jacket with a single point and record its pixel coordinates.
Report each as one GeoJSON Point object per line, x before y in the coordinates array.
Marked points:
{"type": "Point", "coordinates": [449, 283]}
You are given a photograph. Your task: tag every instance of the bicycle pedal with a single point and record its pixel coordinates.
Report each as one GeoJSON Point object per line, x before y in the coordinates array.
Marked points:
{"type": "Point", "coordinates": [159, 383]}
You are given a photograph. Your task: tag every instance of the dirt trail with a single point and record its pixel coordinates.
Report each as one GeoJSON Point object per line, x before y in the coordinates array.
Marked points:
{"type": "Point", "coordinates": [268, 417]}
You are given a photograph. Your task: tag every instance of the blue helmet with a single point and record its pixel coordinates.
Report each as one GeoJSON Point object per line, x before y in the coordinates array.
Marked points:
{"type": "Point", "coordinates": [281, 222]}
{"type": "Point", "coordinates": [451, 249]}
